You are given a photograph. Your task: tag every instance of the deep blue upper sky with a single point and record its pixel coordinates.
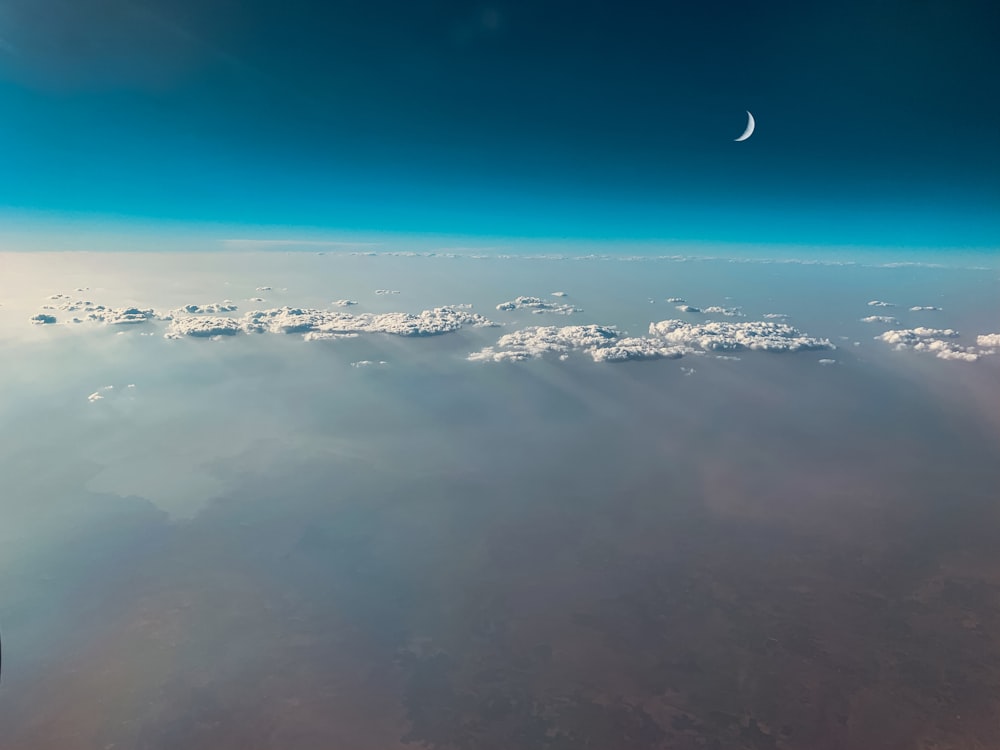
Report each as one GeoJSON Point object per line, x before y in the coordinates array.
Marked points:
{"type": "Point", "coordinates": [878, 121]}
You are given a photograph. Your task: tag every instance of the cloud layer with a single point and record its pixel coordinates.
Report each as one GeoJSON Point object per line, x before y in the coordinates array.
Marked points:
{"type": "Point", "coordinates": [538, 305]}
{"type": "Point", "coordinates": [666, 339]}
{"type": "Point", "coordinates": [601, 343]}
{"type": "Point", "coordinates": [939, 341]}
{"type": "Point", "coordinates": [326, 324]}
{"type": "Point", "coordinates": [213, 308]}
{"type": "Point", "coordinates": [716, 336]}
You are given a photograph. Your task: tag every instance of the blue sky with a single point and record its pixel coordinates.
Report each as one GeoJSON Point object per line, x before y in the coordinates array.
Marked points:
{"type": "Point", "coordinates": [876, 122]}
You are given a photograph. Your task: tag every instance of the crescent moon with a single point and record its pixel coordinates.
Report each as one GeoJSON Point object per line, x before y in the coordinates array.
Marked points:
{"type": "Point", "coordinates": [749, 131]}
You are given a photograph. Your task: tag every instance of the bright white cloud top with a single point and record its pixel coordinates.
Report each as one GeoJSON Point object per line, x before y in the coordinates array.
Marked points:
{"type": "Point", "coordinates": [729, 312]}
{"type": "Point", "coordinates": [538, 305]}
{"type": "Point", "coordinates": [666, 339]}
{"type": "Point", "coordinates": [989, 340]}
{"type": "Point", "coordinates": [719, 330]}
{"type": "Point", "coordinates": [725, 336]}
{"type": "Point", "coordinates": [213, 308]}
{"type": "Point", "coordinates": [938, 341]}
{"type": "Point", "coordinates": [326, 324]}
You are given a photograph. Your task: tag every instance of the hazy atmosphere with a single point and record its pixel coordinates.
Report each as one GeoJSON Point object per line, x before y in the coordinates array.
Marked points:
{"type": "Point", "coordinates": [768, 525]}
{"type": "Point", "coordinates": [499, 375]}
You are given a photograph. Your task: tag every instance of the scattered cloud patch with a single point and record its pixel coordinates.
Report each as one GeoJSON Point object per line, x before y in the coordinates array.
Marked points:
{"type": "Point", "coordinates": [213, 308]}
{"type": "Point", "coordinates": [345, 302]}
{"type": "Point", "coordinates": [43, 319]}
{"type": "Point", "coordinates": [538, 305]}
{"type": "Point", "coordinates": [688, 309]}
{"type": "Point", "coordinates": [326, 324]}
{"type": "Point", "coordinates": [123, 316]}
{"type": "Point", "coordinates": [938, 341]}
{"type": "Point", "coordinates": [676, 300]}
{"type": "Point", "coordinates": [631, 349]}
{"type": "Point", "coordinates": [203, 327]}
{"type": "Point", "coordinates": [263, 289]}
{"type": "Point", "coordinates": [667, 339]}
{"type": "Point", "coordinates": [828, 362]}
{"type": "Point", "coordinates": [109, 315]}
{"type": "Point", "coordinates": [776, 316]}
{"type": "Point", "coordinates": [726, 336]}
{"type": "Point", "coordinates": [729, 312]}
{"type": "Point", "coordinates": [369, 363]}
{"type": "Point", "coordinates": [990, 342]}
{"type": "Point", "coordinates": [924, 308]}
{"type": "Point", "coordinates": [558, 294]}
{"type": "Point", "coordinates": [80, 305]}
{"type": "Point", "coordinates": [386, 291]}
{"type": "Point", "coordinates": [880, 303]}
{"type": "Point", "coordinates": [100, 393]}
{"type": "Point", "coordinates": [887, 319]}
{"type": "Point", "coordinates": [537, 341]}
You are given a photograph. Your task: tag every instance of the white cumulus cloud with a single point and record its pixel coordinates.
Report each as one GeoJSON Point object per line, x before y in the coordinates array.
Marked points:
{"type": "Point", "coordinates": [938, 341]}
{"type": "Point", "coordinates": [726, 336]}
{"type": "Point", "coordinates": [667, 339]}
{"type": "Point", "coordinates": [120, 316]}
{"type": "Point", "coordinates": [538, 305]}
{"type": "Point", "coordinates": [203, 327]}
{"type": "Point", "coordinates": [327, 324]}
{"type": "Point", "coordinates": [536, 341]}
{"type": "Point", "coordinates": [988, 340]}
{"type": "Point", "coordinates": [628, 349]}
{"type": "Point", "coordinates": [729, 312]}
{"type": "Point", "coordinates": [213, 308]}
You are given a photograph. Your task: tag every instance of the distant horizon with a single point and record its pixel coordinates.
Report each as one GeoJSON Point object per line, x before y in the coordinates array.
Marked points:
{"type": "Point", "coordinates": [37, 231]}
